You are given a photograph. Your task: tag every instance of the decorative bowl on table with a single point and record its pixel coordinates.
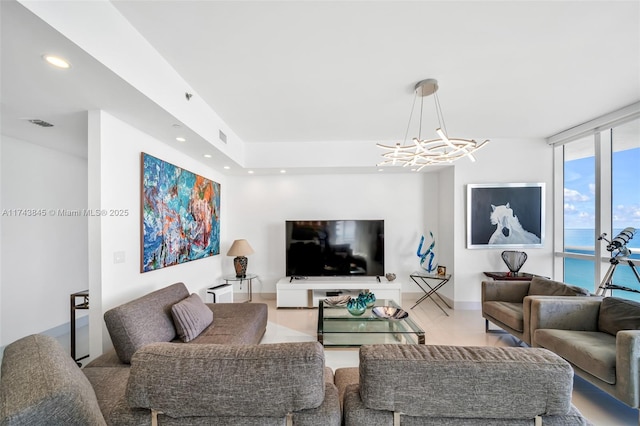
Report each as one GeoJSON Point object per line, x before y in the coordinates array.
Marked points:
{"type": "Point", "coordinates": [368, 297]}
{"type": "Point", "coordinates": [337, 300]}
{"type": "Point", "coordinates": [390, 313]}
{"type": "Point", "coordinates": [356, 306]}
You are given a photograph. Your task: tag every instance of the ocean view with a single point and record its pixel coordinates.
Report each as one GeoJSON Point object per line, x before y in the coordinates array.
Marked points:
{"type": "Point", "coordinates": [581, 272]}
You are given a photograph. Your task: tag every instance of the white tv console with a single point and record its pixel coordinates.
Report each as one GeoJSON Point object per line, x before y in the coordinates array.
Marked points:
{"type": "Point", "coordinates": [306, 293]}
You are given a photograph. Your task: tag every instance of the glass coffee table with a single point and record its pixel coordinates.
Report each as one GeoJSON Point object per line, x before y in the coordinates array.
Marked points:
{"type": "Point", "coordinates": [338, 328]}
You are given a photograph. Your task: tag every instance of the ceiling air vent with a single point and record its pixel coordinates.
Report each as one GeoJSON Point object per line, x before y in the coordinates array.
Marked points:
{"type": "Point", "coordinates": [222, 136]}
{"type": "Point", "coordinates": [40, 123]}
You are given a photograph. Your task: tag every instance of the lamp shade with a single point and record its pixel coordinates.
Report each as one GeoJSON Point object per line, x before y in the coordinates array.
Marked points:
{"type": "Point", "coordinates": [240, 248]}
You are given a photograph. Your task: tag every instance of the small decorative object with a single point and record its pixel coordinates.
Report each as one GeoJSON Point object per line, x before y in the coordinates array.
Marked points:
{"type": "Point", "coordinates": [514, 260]}
{"type": "Point", "coordinates": [337, 300]}
{"type": "Point", "coordinates": [389, 312]}
{"type": "Point", "coordinates": [368, 297]}
{"type": "Point", "coordinates": [428, 258]}
{"type": "Point", "coordinates": [240, 249]}
{"type": "Point", "coordinates": [356, 306]}
{"type": "Point", "coordinates": [390, 276]}
{"type": "Point", "coordinates": [442, 270]}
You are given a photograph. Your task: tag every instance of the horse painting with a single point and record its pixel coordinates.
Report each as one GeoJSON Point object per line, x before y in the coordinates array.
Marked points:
{"type": "Point", "coordinates": [508, 227]}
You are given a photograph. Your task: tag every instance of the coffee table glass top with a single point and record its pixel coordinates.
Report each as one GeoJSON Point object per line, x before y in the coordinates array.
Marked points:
{"type": "Point", "coordinates": [338, 328]}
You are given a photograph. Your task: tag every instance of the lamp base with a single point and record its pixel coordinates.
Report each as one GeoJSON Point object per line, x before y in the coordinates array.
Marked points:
{"type": "Point", "coordinates": [240, 264]}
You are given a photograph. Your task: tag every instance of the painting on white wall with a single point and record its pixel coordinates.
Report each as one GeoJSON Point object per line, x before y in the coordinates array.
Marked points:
{"type": "Point", "coordinates": [180, 215]}
{"type": "Point", "coordinates": [505, 215]}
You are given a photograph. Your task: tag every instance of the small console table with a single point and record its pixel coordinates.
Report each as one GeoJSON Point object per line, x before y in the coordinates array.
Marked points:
{"type": "Point", "coordinates": [75, 304]}
{"type": "Point", "coordinates": [433, 283]}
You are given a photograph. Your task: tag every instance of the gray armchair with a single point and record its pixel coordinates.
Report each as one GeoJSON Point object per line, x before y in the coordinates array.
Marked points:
{"type": "Point", "coordinates": [507, 304]}
{"type": "Point", "coordinates": [600, 338]}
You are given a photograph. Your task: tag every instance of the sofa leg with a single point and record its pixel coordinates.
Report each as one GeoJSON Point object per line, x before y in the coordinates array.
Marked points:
{"type": "Point", "coordinates": [486, 328]}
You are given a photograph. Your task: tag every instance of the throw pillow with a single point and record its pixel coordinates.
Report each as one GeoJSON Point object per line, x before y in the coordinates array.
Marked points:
{"type": "Point", "coordinates": [191, 317]}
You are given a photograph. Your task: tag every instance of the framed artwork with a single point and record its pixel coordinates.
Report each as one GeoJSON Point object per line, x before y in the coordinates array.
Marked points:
{"type": "Point", "coordinates": [505, 215]}
{"type": "Point", "coordinates": [180, 215]}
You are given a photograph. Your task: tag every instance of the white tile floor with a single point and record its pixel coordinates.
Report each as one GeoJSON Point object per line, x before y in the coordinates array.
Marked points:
{"type": "Point", "coordinates": [461, 327]}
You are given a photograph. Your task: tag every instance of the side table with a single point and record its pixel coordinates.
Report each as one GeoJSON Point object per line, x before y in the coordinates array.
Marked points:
{"type": "Point", "coordinates": [508, 276]}
{"type": "Point", "coordinates": [430, 284]}
{"type": "Point", "coordinates": [230, 279]}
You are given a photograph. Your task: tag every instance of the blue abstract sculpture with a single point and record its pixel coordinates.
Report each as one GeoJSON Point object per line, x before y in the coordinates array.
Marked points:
{"type": "Point", "coordinates": [428, 258]}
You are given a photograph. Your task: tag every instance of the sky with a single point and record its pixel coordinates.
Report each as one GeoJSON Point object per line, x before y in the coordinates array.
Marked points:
{"type": "Point", "coordinates": [579, 191]}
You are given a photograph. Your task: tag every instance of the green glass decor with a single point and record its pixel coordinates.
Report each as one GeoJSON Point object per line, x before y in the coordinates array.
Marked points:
{"type": "Point", "coordinates": [356, 306]}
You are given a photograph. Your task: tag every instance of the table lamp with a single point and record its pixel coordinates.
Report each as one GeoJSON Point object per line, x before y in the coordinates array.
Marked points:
{"type": "Point", "coordinates": [240, 249]}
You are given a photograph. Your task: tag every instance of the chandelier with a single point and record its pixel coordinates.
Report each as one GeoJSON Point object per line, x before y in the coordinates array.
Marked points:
{"type": "Point", "coordinates": [424, 152]}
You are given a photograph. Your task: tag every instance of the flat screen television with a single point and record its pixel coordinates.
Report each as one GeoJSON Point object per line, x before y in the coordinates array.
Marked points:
{"type": "Point", "coordinates": [323, 248]}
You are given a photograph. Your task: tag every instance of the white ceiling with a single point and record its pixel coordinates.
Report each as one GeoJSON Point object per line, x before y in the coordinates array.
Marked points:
{"type": "Point", "coordinates": [296, 71]}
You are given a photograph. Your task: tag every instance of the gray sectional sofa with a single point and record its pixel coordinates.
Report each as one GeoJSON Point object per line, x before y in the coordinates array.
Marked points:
{"type": "Point", "coordinates": [599, 337]}
{"type": "Point", "coordinates": [149, 319]}
{"type": "Point", "coordinates": [507, 304]}
{"type": "Point", "coordinates": [153, 377]}
{"type": "Point", "coordinates": [287, 383]}
{"type": "Point", "coordinates": [169, 384]}
{"type": "Point", "coordinates": [457, 385]}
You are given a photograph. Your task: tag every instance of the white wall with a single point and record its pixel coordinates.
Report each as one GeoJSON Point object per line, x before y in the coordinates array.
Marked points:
{"type": "Point", "coordinates": [44, 258]}
{"type": "Point", "coordinates": [411, 204]}
{"type": "Point", "coordinates": [260, 205]}
{"type": "Point", "coordinates": [502, 161]}
{"type": "Point", "coordinates": [119, 179]}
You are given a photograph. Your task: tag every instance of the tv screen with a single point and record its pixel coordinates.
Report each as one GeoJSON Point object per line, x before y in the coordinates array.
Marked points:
{"type": "Point", "coordinates": [318, 248]}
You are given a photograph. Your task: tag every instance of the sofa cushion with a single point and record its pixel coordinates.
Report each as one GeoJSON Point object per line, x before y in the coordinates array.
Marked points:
{"type": "Point", "coordinates": [191, 316]}
{"type": "Point", "coordinates": [487, 382]}
{"type": "Point", "coordinates": [508, 313]}
{"type": "Point", "coordinates": [41, 384]}
{"type": "Point", "coordinates": [544, 287]}
{"type": "Point", "coordinates": [229, 380]}
{"type": "Point", "coordinates": [618, 314]}
{"type": "Point", "coordinates": [591, 351]}
{"type": "Point", "coordinates": [235, 323]}
{"type": "Point", "coordinates": [110, 385]}
{"type": "Point", "coordinates": [144, 320]}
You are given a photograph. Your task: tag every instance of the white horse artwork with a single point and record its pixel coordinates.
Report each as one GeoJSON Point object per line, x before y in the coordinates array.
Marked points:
{"type": "Point", "coordinates": [509, 230]}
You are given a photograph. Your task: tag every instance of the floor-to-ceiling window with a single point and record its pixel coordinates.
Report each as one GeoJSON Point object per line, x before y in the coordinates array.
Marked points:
{"type": "Point", "coordinates": [599, 176]}
{"type": "Point", "coordinates": [579, 211]}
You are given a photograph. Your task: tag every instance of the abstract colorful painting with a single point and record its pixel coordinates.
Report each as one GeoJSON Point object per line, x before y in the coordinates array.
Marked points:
{"type": "Point", "coordinates": [180, 215]}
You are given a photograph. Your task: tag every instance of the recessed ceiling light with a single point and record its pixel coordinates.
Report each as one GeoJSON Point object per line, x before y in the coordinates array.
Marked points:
{"type": "Point", "coordinates": [283, 171]}
{"type": "Point", "coordinates": [227, 167]}
{"type": "Point", "coordinates": [207, 155]}
{"type": "Point", "coordinates": [181, 139]}
{"type": "Point", "coordinates": [250, 172]}
{"type": "Point", "coordinates": [57, 61]}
